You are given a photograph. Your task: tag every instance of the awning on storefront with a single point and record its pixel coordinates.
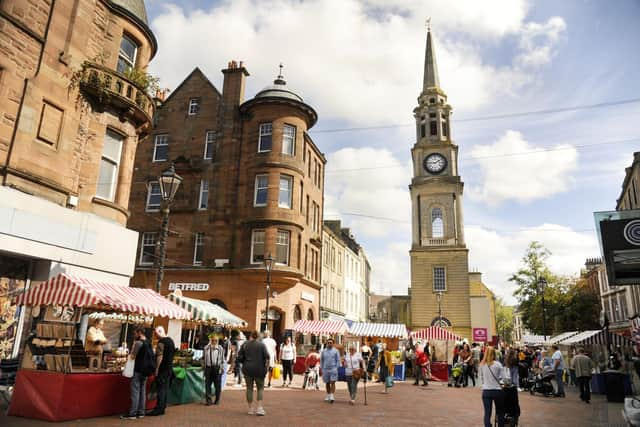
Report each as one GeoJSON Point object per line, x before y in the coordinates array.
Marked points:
{"type": "Point", "coordinates": [320, 327]}
{"type": "Point", "coordinates": [75, 291]}
{"type": "Point", "coordinates": [204, 311]}
{"type": "Point", "coordinates": [384, 330]}
{"type": "Point", "coordinates": [561, 337]}
{"type": "Point", "coordinates": [435, 333]}
{"type": "Point", "coordinates": [598, 336]}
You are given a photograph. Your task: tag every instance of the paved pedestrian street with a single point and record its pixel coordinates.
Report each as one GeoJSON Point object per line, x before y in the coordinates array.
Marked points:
{"type": "Point", "coordinates": [405, 405]}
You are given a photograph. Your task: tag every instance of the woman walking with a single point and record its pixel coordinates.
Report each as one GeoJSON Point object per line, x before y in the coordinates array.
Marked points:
{"type": "Point", "coordinates": [353, 368]}
{"type": "Point", "coordinates": [287, 357]}
{"type": "Point", "coordinates": [490, 375]}
{"type": "Point", "coordinates": [385, 367]}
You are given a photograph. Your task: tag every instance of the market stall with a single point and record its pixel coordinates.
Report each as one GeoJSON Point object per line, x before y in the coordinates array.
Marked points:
{"type": "Point", "coordinates": [440, 341]}
{"type": "Point", "coordinates": [595, 343]}
{"type": "Point", "coordinates": [57, 370]}
{"type": "Point", "coordinates": [556, 339]}
{"type": "Point", "coordinates": [319, 328]}
{"type": "Point", "coordinates": [387, 333]}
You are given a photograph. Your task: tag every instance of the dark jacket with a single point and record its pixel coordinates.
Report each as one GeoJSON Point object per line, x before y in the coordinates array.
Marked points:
{"type": "Point", "coordinates": [255, 359]}
{"type": "Point", "coordinates": [168, 350]}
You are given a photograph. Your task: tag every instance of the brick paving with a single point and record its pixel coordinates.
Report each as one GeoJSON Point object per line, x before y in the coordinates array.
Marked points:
{"type": "Point", "coordinates": [405, 405]}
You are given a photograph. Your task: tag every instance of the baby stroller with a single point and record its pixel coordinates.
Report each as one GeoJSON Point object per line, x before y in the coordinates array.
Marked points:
{"type": "Point", "coordinates": [311, 378]}
{"type": "Point", "coordinates": [541, 382]}
{"type": "Point", "coordinates": [511, 406]}
{"type": "Point", "coordinates": [456, 375]}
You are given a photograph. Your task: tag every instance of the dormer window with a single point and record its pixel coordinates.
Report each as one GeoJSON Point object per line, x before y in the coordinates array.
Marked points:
{"type": "Point", "coordinates": [127, 54]}
{"type": "Point", "coordinates": [194, 106]}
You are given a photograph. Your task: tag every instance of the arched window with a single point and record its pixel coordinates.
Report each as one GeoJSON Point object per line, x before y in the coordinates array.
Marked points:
{"type": "Point", "coordinates": [297, 313]}
{"type": "Point", "coordinates": [437, 225]}
{"type": "Point", "coordinates": [310, 314]}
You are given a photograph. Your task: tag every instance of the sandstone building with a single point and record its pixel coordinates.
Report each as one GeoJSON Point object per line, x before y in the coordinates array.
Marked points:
{"type": "Point", "coordinates": [70, 121]}
{"type": "Point", "coordinates": [253, 186]}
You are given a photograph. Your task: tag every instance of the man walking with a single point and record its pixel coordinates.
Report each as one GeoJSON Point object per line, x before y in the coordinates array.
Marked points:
{"type": "Point", "coordinates": [583, 367]}
{"type": "Point", "coordinates": [558, 365]}
{"type": "Point", "coordinates": [164, 369]}
{"type": "Point", "coordinates": [213, 365]}
{"type": "Point", "coordinates": [255, 361]}
{"type": "Point", "coordinates": [329, 362]}
{"type": "Point", "coordinates": [271, 345]}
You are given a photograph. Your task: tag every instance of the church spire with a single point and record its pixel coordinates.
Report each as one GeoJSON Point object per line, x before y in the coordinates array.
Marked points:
{"type": "Point", "coordinates": [430, 66]}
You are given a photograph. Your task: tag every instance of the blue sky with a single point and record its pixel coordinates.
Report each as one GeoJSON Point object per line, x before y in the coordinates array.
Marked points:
{"type": "Point", "coordinates": [360, 64]}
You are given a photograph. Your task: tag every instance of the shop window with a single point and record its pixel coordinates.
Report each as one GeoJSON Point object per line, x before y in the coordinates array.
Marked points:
{"type": "Point", "coordinates": [148, 248]}
{"type": "Point", "coordinates": [257, 246]}
{"type": "Point", "coordinates": [161, 148]}
{"type": "Point", "coordinates": [154, 197]}
{"type": "Point", "coordinates": [289, 140]}
{"type": "Point", "coordinates": [127, 54]}
{"type": "Point", "coordinates": [109, 164]}
{"type": "Point", "coordinates": [282, 247]}
{"type": "Point", "coordinates": [264, 141]}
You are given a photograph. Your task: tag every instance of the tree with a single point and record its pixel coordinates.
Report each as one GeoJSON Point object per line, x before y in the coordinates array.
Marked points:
{"type": "Point", "coordinates": [504, 320]}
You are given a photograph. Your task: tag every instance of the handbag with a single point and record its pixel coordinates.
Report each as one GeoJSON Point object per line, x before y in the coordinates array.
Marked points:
{"type": "Point", "coordinates": [356, 373]}
{"type": "Point", "coordinates": [129, 368]}
{"type": "Point", "coordinates": [388, 382]}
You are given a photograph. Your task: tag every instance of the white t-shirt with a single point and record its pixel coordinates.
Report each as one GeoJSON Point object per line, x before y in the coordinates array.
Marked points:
{"type": "Point", "coordinates": [557, 356]}
{"type": "Point", "coordinates": [270, 343]}
{"type": "Point", "coordinates": [351, 362]}
{"type": "Point", "coordinates": [287, 352]}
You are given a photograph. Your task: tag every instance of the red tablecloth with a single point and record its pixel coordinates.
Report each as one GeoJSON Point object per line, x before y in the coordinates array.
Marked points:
{"type": "Point", "coordinates": [53, 396]}
{"type": "Point", "coordinates": [298, 367]}
{"type": "Point", "coordinates": [439, 372]}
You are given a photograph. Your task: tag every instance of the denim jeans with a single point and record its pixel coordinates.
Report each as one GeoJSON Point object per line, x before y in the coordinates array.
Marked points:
{"type": "Point", "coordinates": [138, 394]}
{"type": "Point", "coordinates": [515, 377]}
{"type": "Point", "coordinates": [559, 382]}
{"type": "Point", "coordinates": [489, 397]}
{"type": "Point", "coordinates": [352, 385]}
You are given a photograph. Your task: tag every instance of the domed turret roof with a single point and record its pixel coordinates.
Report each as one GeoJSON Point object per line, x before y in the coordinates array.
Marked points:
{"type": "Point", "coordinates": [279, 90]}
{"type": "Point", "coordinates": [135, 7]}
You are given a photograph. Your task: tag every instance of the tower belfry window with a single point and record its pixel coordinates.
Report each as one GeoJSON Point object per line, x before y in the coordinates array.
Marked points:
{"type": "Point", "coordinates": [437, 225]}
{"type": "Point", "coordinates": [445, 126]}
{"type": "Point", "coordinates": [423, 127]}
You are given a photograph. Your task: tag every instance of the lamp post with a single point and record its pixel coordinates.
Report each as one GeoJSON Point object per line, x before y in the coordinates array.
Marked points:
{"type": "Point", "coordinates": [169, 182]}
{"type": "Point", "coordinates": [542, 285]}
{"type": "Point", "coordinates": [268, 265]}
{"type": "Point", "coordinates": [439, 298]}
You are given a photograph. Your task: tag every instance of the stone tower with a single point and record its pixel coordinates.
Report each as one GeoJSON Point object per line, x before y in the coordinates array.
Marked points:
{"type": "Point", "coordinates": [439, 256]}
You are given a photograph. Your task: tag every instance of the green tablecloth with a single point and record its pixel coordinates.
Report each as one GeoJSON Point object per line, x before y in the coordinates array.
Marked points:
{"type": "Point", "coordinates": [187, 386]}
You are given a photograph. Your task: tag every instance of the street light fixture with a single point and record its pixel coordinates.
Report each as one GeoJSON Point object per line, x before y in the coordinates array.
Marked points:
{"type": "Point", "coordinates": [268, 265]}
{"type": "Point", "coordinates": [169, 182]}
{"type": "Point", "coordinates": [542, 285]}
{"type": "Point", "coordinates": [439, 298]}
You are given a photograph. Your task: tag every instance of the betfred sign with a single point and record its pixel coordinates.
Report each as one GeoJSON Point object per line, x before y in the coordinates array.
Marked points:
{"type": "Point", "coordinates": [480, 334]}
{"type": "Point", "coordinates": [197, 287]}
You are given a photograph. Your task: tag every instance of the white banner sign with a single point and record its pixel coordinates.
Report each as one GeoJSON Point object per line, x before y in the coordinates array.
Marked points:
{"type": "Point", "coordinates": [307, 296]}
{"type": "Point", "coordinates": [197, 287]}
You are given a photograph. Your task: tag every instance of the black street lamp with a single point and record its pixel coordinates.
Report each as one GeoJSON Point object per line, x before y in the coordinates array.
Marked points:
{"type": "Point", "coordinates": [439, 298]}
{"type": "Point", "coordinates": [542, 285]}
{"type": "Point", "coordinates": [169, 182]}
{"type": "Point", "coordinates": [268, 265]}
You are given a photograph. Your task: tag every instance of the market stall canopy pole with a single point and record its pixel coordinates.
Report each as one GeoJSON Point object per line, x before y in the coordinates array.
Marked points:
{"type": "Point", "coordinates": [320, 327]}
{"type": "Point", "coordinates": [65, 289]}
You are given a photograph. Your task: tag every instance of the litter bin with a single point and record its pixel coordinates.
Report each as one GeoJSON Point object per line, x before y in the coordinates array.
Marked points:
{"type": "Point", "coordinates": [614, 385]}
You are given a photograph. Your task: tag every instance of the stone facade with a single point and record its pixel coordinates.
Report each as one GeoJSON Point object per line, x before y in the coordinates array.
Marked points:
{"type": "Point", "coordinates": [264, 181]}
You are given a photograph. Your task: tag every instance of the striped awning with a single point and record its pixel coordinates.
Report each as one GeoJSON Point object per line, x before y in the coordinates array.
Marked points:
{"type": "Point", "coordinates": [384, 330]}
{"type": "Point", "coordinates": [535, 339]}
{"type": "Point", "coordinates": [435, 333]}
{"type": "Point", "coordinates": [320, 327]}
{"type": "Point", "coordinates": [75, 291]}
{"type": "Point", "coordinates": [205, 311]}
{"type": "Point", "coordinates": [598, 336]}
{"type": "Point", "coordinates": [561, 337]}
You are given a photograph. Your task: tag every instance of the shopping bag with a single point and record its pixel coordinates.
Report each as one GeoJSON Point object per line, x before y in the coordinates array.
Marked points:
{"type": "Point", "coordinates": [388, 383]}
{"type": "Point", "coordinates": [342, 374]}
{"type": "Point", "coordinates": [128, 368]}
{"type": "Point", "coordinates": [275, 373]}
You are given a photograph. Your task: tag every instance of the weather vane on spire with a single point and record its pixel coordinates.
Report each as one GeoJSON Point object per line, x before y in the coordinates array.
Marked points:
{"type": "Point", "coordinates": [429, 24]}
{"type": "Point", "coordinates": [280, 74]}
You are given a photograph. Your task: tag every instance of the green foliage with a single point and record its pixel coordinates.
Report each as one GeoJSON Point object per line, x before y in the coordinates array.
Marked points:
{"type": "Point", "coordinates": [569, 305]}
{"type": "Point", "coordinates": [504, 320]}
{"type": "Point", "coordinates": [143, 80]}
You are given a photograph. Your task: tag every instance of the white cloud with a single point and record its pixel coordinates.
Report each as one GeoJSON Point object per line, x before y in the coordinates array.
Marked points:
{"type": "Point", "coordinates": [538, 42]}
{"type": "Point", "coordinates": [498, 254]}
{"type": "Point", "coordinates": [391, 269]}
{"type": "Point", "coordinates": [358, 61]}
{"type": "Point", "coordinates": [378, 193]}
{"type": "Point", "coordinates": [535, 175]}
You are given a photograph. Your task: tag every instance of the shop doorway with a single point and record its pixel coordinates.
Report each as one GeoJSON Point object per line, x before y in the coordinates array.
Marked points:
{"type": "Point", "coordinates": [274, 323]}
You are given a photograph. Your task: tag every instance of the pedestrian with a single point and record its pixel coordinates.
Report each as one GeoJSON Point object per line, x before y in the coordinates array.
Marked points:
{"type": "Point", "coordinates": [467, 359]}
{"type": "Point", "coordinates": [353, 367]}
{"type": "Point", "coordinates": [511, 363]}
{"type": "Point", "coordinates": [385, 367]}
{"type": "Point", "coordinates": [421, 366]}
{"type": "Point", "coordinates": [164, 369]}
{"type": "Point", "coordinates": [213, 366]}
{"type": "Point", "coordinates": [287, 357]}
{"type": "Point", "coordinates": [240, 340]}
{"type": "Point", "coordinates": [144, 366]}
{"type": "Point", "coordinates": [558, 366]}
{"type": "Point", "coordinates": [255, 361]}
{"type": "Point", "coordinates": [329, 362]}
{"type": "Point", "coordinates": [409, 361]}
{"type": "Point", "coordinates": [490, 375]}
{"type": "Point", "coordinates": [271, 345]}
{"type": "Point", "coordinates": [583, 367]}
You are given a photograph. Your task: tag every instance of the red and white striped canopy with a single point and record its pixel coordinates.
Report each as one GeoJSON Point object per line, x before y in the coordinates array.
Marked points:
{"type": "Point", "coordinates": [320, 327]}
{"type": "Point", "coordinates": [435, 333]}
{"type": "Point", "coordinates": [65, 289]}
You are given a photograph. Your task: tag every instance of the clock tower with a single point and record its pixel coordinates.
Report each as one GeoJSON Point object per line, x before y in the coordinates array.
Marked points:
{"type": "Point", "coordinates": [439, 256]}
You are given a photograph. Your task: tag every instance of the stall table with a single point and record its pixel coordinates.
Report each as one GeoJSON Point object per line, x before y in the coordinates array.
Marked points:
{"type": "Point", "coordinates": [53, 396]}
{"type": "Point", "coordinates": [187, 386]}
{"type": "Point", "coordinates": [439, 371]}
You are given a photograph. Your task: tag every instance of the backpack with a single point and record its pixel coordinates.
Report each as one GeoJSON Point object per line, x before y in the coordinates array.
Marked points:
{"type": "Point", "coordinates": [148, 365]}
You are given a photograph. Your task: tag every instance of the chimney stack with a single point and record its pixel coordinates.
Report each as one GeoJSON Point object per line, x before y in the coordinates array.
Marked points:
{"type": "Point", "coordinates": [234, 83]}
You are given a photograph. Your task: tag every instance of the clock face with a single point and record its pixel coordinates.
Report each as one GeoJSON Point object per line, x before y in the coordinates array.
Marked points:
{"type": "Point", "coordinates": [435, 163]}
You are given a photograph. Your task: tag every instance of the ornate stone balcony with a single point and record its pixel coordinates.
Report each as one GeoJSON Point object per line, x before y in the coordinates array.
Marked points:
{"type": "Point", "coordinates": [109, 87]}
{"type": "Point", "coordinates": [438, 242]}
